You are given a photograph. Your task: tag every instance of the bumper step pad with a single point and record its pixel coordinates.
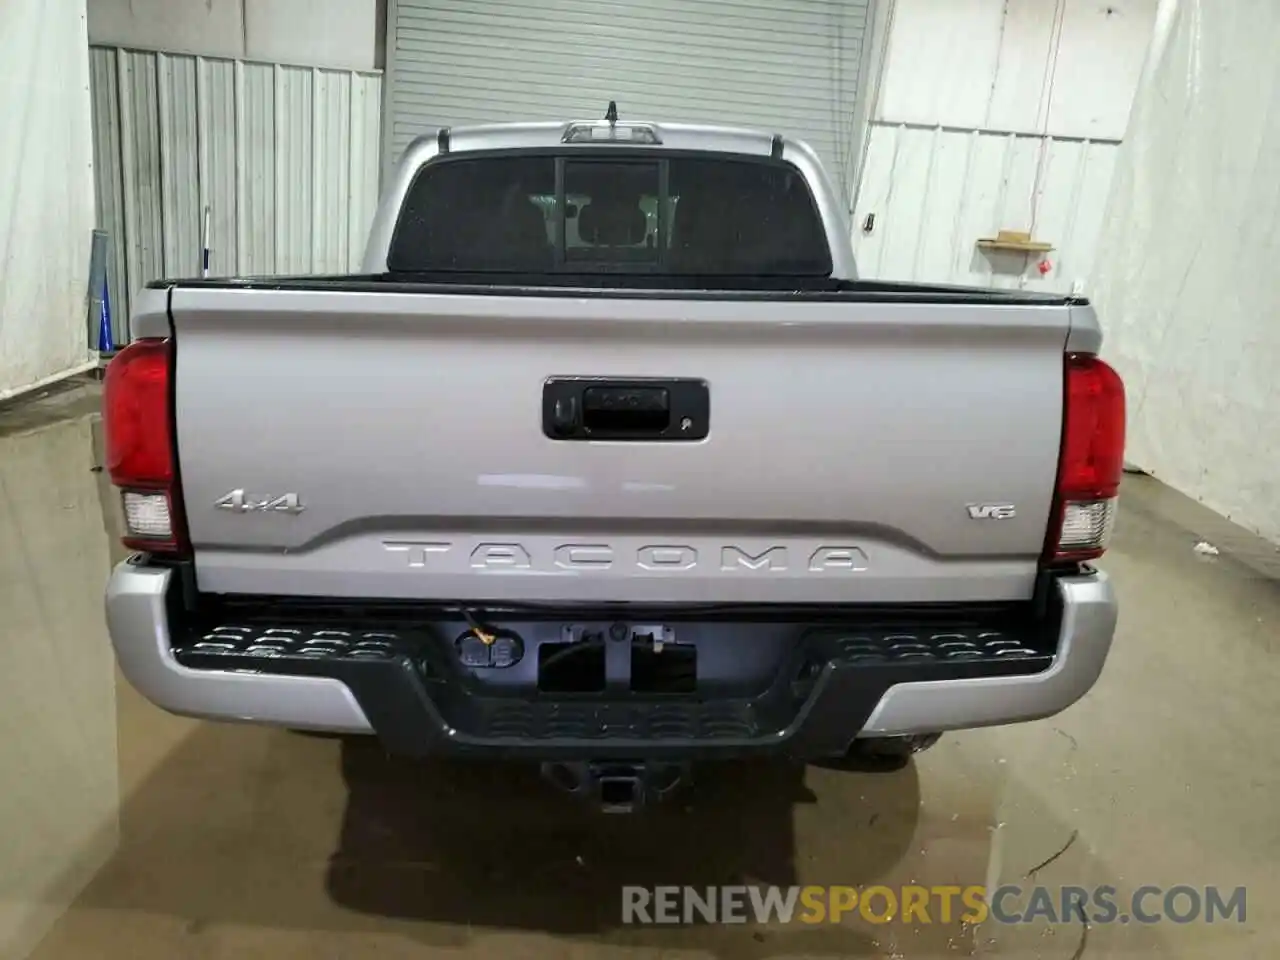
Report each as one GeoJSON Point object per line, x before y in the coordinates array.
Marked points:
{"type": "Point", "coordinates": [421, 702]}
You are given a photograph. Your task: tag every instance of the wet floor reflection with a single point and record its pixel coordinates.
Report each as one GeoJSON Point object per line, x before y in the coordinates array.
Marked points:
{"type": "Point", "coordinates": [58, 805]}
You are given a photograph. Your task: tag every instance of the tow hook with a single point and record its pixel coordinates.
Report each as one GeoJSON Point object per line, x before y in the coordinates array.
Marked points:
{"type": "Point", "coordinates": [617, 786]}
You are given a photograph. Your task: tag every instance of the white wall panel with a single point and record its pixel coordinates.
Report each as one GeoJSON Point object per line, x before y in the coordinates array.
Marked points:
{"type": "Point", "coordinates": [1187, 285]}
{"type": "Point", "coordinates": [284, 161]}
{"type": "Point", "coordinates": [141, 235]}
{"type": "Point", "coordinates": [46, 193]}
{"type": "Point", "coordinates": [1056, 67]}
{"type": "Point", "coordinates": [179, 164]}
{"type": "Point", "coordinates": [293, 143]}
{"type": "Point", "coordinates": [220, 156]}
{"type": "Point", "coordinates": [996, 115]}
{"type": "Point", "coordinates": [365, 143]}
{"type": "Point", "coordinates": [256, 174]}
{"type": "Point", "coordinates": [1099, 60]}
{"type": "Point", "coordinates": [321, 33]}
{"type": "Point", "coordinates": [331, 169]}
{"type": "Point", "coordinates": [210, 27]}
{"type": "Point", "coordinates": [935, 191]}
{"type": "Point", "coordinates": [107, 151]}
{"type": "Point", "coordinates": [340, 34]}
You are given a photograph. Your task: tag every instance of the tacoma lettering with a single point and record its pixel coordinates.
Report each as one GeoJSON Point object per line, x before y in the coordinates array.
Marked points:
{"type": "Point", "coordinates": [507, 556]}
{"type": "Point", "coordinates": [735, 558]}
{"type": "Point", "coordinates": [417, 552]}
{"type": "Point", "coordinates": [574, 556]}
{"type": "Point", "coordinates": [659, 558]}
{"type": "Point", "coordinates": [837, 560]}
{"type": "Point", "coordinates": [667, 558]}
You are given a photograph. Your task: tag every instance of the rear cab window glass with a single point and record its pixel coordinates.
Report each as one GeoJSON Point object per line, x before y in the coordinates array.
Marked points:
{"type": "Point", "coordinates": [638, 213]}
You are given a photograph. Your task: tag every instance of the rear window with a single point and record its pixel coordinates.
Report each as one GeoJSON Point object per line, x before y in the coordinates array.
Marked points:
{"type": "Point", "coordinates": [582, 213]}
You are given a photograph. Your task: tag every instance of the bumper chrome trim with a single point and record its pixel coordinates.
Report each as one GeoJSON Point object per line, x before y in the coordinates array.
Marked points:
{"type": "Point", "coordinates": [1089, 613]}
{"type": "Point", "coordinates": [137, 620]}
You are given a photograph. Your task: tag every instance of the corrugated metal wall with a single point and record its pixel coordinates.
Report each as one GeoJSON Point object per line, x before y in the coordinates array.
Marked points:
{"type": "Point", "coordinates": [282, 160]}
{"type": "Point", "coordinates": [793, 66]}
{"type": "Point", "coordinates": [46, 199]}
{"type": "Point", "coordinates": [1015, 128]}
{"type": "Point", "coordinates": [935, 191]}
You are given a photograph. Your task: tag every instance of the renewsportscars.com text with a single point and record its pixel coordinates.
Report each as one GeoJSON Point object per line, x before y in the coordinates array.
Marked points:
{"type": "Point", "coordinates": [935, 904]}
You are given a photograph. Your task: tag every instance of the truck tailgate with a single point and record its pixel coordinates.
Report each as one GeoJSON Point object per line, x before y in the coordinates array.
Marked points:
{"type": "Point", "coordinates": [357, 443]}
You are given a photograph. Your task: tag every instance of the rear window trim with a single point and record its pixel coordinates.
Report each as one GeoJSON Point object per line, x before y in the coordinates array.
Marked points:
{"type": "Point", "coordinates": [617, 152]}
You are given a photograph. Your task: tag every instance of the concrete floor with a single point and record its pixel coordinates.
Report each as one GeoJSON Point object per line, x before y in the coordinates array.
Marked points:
{"type": "Point", "coordinates": [125, 832]}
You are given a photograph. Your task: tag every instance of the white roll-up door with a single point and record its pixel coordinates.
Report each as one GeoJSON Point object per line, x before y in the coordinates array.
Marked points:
{"type": "Point", "coordinates": [787, 66]}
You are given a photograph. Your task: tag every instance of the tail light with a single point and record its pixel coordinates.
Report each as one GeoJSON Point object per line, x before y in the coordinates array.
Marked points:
{"type": "Point", "coordinates": [138, 428]}
{"type": "Point", "coordinates": [1091, 464]}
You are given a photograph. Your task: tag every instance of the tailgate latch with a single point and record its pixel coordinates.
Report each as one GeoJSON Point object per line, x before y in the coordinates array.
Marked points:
{"type": "Point", "coordinates": [594, 408]}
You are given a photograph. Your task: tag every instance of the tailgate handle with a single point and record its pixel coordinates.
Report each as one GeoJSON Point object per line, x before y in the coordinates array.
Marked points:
{"type": "Point", "coordinates": [597, 408]}
{"type": "Point", "coordinates": [630, 409]}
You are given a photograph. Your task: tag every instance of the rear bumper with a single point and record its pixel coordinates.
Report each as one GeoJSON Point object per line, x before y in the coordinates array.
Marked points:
{"type": "Point", "coordinates": [1085, 628]}
{"type": "Point", "coordinates": [138, 614]}
{"type": "Point", "coordinates": [394, 696]}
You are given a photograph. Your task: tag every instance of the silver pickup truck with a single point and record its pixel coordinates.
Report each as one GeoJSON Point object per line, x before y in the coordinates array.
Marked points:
{"type": "Point", "coordinates": [608, 461]}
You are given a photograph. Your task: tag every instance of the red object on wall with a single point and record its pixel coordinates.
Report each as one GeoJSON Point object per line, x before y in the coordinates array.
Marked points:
{"type": "Point", "coordinates": [1044, 266]}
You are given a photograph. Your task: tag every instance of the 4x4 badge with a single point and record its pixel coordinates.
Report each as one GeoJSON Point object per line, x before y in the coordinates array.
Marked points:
{"type": "Point", "coordinates": [242, 502]}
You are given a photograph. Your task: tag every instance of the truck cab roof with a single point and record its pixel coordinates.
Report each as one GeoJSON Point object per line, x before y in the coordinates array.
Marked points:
{"type": "Point", "coordinates": [550, 134]}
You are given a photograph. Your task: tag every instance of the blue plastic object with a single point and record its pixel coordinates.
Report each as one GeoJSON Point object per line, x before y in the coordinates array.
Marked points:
{"type": "Point", "coordinates": [106, 340]}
